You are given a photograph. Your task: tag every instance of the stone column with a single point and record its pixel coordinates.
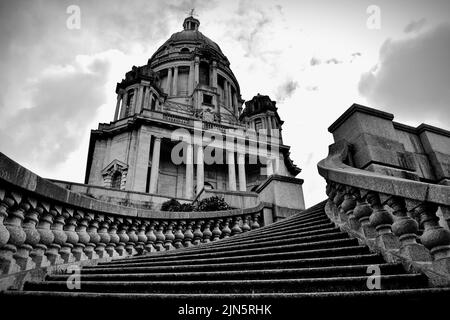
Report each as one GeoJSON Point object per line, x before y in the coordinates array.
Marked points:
{"type": "Point", "coordinates": [135, 101]}
{"type": "Point", "coordinates": [241, 170]}
{"type": "Point", "coordinates": [196, 71]}
{"type": "Point", "coordinates": [225, 93]}
{"type": "Point", "coordinates": [138, 105]}
{"type": "Point", "coordinates": [138, 162]}
{"type": "Point", "coordinates": [147, 99]}
{"type": "Point", "coordinates": [214, 74]}
{"type": "Point", "coordinates": [229, 94]}
{"type": "Point", "coordinates": [231, 171]}
{"type": "Point", "coordinates": [169, 81]}
{"type": "Point", "coordinates": [236, 107]}
{"type": "Point", "coordinates": [124, 105]}
{"type": "Point", "coordinates": [189, 171]}
{"type": "Point", "coordinates": [155, 165]}
{"type": "Point", "coordinates": [191, 79]}
{"type": "Point", "coordinates": [200, 169]}
{"type": "Point", "coordinates": [116, 114]}
{"type": "Point", "coordinates": [175, 81]}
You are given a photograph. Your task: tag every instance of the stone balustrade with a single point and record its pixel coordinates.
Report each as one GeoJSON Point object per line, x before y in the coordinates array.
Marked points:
{"type": "Point", "coordinates": [42, 225]}
{"type": "Point", "coordinates": [394, 216]}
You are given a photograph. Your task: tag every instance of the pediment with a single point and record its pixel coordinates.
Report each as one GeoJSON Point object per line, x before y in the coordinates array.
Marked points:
{"type": "Point", "coordinates": [115, 165]}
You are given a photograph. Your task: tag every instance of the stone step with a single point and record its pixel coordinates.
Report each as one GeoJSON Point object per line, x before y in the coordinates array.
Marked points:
{"type": "Point", "coordinates": [323, 241]}
{"type": "Point", "coordinates": [311, 253]}
{"type": "Point", "coordinates": [358, 259]}
{"type": "Point", "coordinates": [387, 282]}
{"type": "Point", "coordinates": [279, 273]}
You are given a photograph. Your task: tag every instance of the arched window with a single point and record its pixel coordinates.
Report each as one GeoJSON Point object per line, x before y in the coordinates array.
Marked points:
{"type": "Point", "coordinates": [184, 50]}
{"type": "Point", "coordinates": [116, 180]}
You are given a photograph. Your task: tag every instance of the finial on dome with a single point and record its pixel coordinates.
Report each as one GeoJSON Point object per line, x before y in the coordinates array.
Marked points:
{"type": "Point", "coordinates": [191, 23]}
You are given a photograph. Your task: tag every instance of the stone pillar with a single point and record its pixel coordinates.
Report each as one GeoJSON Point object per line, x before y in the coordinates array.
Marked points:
{"type": "Point", "coordinates": [200, 169]}
{"type": "Point", "coordinates": [236, 107]}
{"type": "Point", "coordinates": [191, 79]}
{"type": "Point", "coordinates": [175, 81]}
{"type": "Point", "coordinates": [229, 95]}
{"type": "Point", "coordinates": [138, 161]}
{"type": "Point", "coordinates": [214, 74]}
{"type": "Point", "coordinates": [135, 101]}
{"type": "Point", "coordinates": [225, 93]}
{"type": "Point", "coordinates": [269, 166]}
{"type": "Point", "coordinates": [124, 105]}
{"type": "Point", "coordinates": [138, 105]}
{"type": "Point", "coordinates": [231, 171]}
{"type": "Point", "coordinates": [119, 99]}
{"type": "Point", "coordinates": [241, 170]}
{"type": "Point", "coordinates": [155, 165]}
{"type": "Point", "coordinates": [196, 71]}
{"type": "Point", "coordinates": [189, 171]}
{"type": "Point", "coordinates": [147, 98]}
{"type": "Point", "coordinates": [169, 81]}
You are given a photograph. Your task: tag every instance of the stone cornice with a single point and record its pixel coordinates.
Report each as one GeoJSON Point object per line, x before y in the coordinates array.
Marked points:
{"type": "Point", "coordinates": [362, 109]}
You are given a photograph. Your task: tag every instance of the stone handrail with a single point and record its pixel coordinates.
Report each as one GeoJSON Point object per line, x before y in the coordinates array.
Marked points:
{"type": "Point", "coordinates": [394, 216]}
{"type": "Point", "coordinates": [42, 224]}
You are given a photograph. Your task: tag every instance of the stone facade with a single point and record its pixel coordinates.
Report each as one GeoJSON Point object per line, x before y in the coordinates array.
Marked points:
{"type": "Point", "coordinates": [187, 86]}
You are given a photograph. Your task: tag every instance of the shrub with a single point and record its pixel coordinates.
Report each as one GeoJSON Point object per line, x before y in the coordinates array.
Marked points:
{"type": "Point", "coordinates": [187, 207]}
{"type": "Point", "coordinates": [214, 203]}
{"type": "Point", "coordinates": [170, 205]}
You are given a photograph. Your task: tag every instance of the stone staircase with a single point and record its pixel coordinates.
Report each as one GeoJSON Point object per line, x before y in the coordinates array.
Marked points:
{"type": "Point", "coordinates": [304, 260]}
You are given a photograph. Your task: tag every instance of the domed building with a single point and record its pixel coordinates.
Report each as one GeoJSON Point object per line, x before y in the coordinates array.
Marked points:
{"type": "Point", "coordinates": [187, 86]}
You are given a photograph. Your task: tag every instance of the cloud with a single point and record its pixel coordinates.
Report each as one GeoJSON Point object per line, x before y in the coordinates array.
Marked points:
{"type": "Point", "coordinates": [315, 61]}
{"type": "Point", "coordinates": [412, 77]}
{"type": "Point", "coordinates": [286, 90]}
{"type": "Point", "coordinates": [415, 26]}
{"type": "Point", "coordinates": [63, 98]}
{"type": "Point", "coordinates": [333, 61]}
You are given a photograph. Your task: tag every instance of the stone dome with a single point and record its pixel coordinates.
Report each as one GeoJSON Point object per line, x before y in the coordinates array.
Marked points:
{"type": "Point", "coordinates": [189, 36]}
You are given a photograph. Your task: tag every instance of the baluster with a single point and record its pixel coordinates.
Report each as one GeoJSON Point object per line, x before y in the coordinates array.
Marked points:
{"type": "Point", "coordinates": [60, 240]}
{"type": "Point", "coordinates": [330, 207]}
{"type": "Point", "coordinates": [406, 229]}
{"type": "Point", "coordinates": [226, 231]}
{"type": "Point", "coordinates": [188, 235]}
{"type": "Point", "coordinates": [132, 237]}
{"type": "Point", "coordinates": [245, 226]}
{"type": "Point", "coordinates": [255, 223]}
{"type": "Point", "coordinates": [216, 233]}
{"type": "Point", "coordinates": [151, 237]}
{"type": "Point", "coordinates": [17, 235]}
{"type": "Point", "coordinates": [198, 234]}
{"type": "Point", "coordinates": [123, 238]}
{"type": "Point", "coordinates": [94, 238]}
{"type": "Point", "coordinates": [142, 238]}
{"type": "Point", "coordinates": [236, 228]}
{"type": "Point", "coordinates": [68, 249]}
{"type": "Point", "coordinates": [338, 199]}
{"type": "Point", "coordinates": [207, 234]}
{"type": "Point", "coordinates": [114, 238]}
{"type": "Point", "coordinates": [7, 262]}
{"type": "Point", "coordinates": [382, 221]}
{"type": "Point", "coordinates": [179, 236]}
{"type": "Point", "coordinates": [435, 237]}
{"type": "Point", "coordinates": [160, 238]}
{"type": "Point", "coordinates": [347, 207]}
{"type": "Point", "coordinates": [362, 212]}
{"type": "Point", "coordinates": [24, 253]}
{"type": "Point", "coordinates": [103, 236]}
{"type": "Point", "coordinates": [169, 237]}
{"type": "Point", "coordinates": [83, 237]}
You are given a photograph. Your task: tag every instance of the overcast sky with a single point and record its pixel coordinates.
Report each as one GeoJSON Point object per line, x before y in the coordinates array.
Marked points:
{"type": "Point", "coordinates": [315, 58]}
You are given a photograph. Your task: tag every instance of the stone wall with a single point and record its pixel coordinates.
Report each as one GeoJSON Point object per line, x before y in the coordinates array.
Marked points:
{"type": "Point", "coordinates": [381, 145]}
